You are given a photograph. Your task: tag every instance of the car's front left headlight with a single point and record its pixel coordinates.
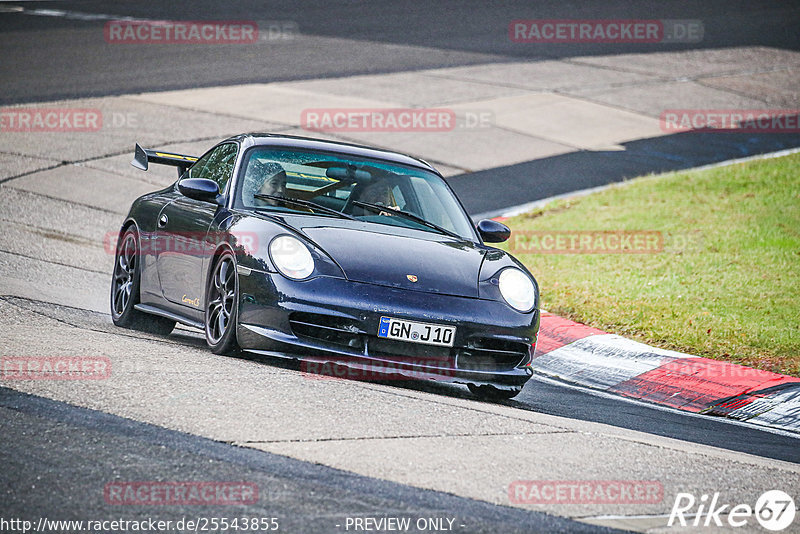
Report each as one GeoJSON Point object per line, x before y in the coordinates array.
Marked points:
{"type": "Point", "coordinates": [517, 288]}
{"type": "Point", "coordinates": [291, 257]}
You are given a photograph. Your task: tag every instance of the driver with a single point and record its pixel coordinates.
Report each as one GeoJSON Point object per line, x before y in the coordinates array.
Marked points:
{"type": "Point", "coordinates": [265, 178]}
{"type": "Point", "coordinates": [379, 193]}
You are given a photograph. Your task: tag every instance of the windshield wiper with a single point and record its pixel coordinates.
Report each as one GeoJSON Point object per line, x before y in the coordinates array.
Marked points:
{"type": "Point", "coordinates": [408, 215]}
{"type": "Point", "coordinates": [305, 203]}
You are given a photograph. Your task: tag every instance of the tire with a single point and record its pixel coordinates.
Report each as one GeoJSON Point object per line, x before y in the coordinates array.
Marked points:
{"type": "Point", "coordinates": [222, 306]}
{"type": "Point", "coordinates": [487, 392]}
{"type": "Point", "coordinates": [125, 290]}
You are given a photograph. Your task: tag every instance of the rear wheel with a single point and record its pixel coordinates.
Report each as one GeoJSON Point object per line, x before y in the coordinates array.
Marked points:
{"type": "Point", "coordinates": [222, 306]}
{"type": "Point", "coordinates": [125, 290]}
{"type": "Point", "coordinates": [488, 392]}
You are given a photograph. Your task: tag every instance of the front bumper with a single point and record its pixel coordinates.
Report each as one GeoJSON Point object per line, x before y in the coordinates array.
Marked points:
{"type": "Point", "coordinates": [329, 319]}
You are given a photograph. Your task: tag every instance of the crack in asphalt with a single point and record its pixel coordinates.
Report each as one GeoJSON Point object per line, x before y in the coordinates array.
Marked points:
{"type": "Point", "coordinates": [71, 202]}
{"type": "Point", "coordinates": [413, 436]}
{"type": "Point", "coordinates": [130, 98]}
{"type": "Point", "coordinates": [558, 90]}
{"type": "Point", "coordinates": [103, 156]}
{"type": "Point", "coordinates": [655, 79]}
{"type": "Point", "coordinates": [52, 234]}
{"type": "Point", "coordinates": [52, 262]}
{"type": "Point", "coordinates": [634, 70]}
{"type": "Point", "coordinates": [122, 332]}
{"type": "Point", "coordinates": [28, 173]}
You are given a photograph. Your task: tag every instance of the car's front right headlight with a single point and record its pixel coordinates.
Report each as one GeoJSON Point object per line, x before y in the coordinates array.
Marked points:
{"type": "Point", "coordinates": [517, 288]}
{"type": "Point", "coordinates": [291, 257]}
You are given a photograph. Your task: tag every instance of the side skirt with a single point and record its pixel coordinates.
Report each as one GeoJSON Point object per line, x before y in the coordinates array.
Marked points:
{"type": "Point", "coordinates": [146, 308]}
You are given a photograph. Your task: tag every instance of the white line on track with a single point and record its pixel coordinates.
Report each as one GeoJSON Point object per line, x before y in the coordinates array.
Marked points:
{"type": "Point", "coordinates": [74, 15]}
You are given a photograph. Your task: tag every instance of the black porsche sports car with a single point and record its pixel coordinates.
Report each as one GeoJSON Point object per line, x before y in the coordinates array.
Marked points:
{"type": "Point", "coordinates": [328, 253]}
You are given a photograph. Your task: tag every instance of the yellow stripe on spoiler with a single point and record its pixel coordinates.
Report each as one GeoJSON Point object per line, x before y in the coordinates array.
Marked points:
{"type": "Point", "coordinates": [176, 156]}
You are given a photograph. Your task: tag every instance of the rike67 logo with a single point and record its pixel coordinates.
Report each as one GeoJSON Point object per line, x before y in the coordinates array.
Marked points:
{"type": "Point", "coordinates": [774, 510]}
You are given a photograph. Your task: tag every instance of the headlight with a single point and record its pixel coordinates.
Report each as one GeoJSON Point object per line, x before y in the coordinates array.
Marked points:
{"type": "Point", "coordinates": [291, 257]}
{"type": "Point", "coordinates": [517, 288]}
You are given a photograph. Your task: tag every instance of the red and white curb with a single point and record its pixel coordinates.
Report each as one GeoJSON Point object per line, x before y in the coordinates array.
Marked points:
{"type": "Point", "coordinates": [580, 354]}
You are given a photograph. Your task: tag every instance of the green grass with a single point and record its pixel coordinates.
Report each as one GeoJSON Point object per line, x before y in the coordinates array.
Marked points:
{"type": "Point", "coordinates": [727, 283]}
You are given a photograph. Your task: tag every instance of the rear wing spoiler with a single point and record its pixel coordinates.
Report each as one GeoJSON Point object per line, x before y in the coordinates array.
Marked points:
{"type": "Point", "coordinates": [142, 157]}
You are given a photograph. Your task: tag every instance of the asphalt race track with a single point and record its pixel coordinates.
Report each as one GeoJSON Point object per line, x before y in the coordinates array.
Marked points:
{"type": "Point", "coordinates": [324, 450]}
{"type": "Point", "coordinates": [348, 38]}
{"type": "Point", "coordinates": [308, 498]}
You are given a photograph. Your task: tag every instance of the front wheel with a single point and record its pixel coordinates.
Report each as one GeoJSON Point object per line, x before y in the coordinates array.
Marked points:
{"type": "Point", "coordinates": [488, 392]}
{"type": "Point", "coordinates": [222, 306]}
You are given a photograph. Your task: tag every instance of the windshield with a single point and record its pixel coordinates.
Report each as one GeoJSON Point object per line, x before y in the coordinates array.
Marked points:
{"type": "Point", "coordinates": [304, 182]}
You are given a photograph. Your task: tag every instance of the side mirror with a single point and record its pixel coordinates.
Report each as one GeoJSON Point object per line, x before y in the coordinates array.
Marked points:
{"type": "Point", "coordinates": [493, 231]}
{"type": "Point", "coordinates": [199, 189]}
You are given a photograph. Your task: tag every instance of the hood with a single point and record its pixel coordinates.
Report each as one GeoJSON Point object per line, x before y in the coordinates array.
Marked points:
{"type": "Point", "coordinates": [439, 263]}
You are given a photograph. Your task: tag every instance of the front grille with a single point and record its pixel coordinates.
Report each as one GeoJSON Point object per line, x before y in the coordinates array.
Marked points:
{"type": "Point", "coordinates": [328, 329]}
{"type": "Point", "coordinates": [480, 354]}
{"type": "Point", "coordinates": [492, 355]}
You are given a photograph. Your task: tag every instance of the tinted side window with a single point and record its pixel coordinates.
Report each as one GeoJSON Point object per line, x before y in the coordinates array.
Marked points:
{"type": "Point", "coordinates": [217, 165]}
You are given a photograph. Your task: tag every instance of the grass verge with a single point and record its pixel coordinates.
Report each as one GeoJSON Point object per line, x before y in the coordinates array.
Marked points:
{"type": "Point", "coordinates": [724, 282]}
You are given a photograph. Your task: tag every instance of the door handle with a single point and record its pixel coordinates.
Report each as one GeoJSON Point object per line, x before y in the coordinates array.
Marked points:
{"type": "Point", "coordinates": [163, 220]}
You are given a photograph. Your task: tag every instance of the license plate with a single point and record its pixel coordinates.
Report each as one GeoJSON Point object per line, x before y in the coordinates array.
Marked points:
{"type": "Point", "coordinates": [428, 334]}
